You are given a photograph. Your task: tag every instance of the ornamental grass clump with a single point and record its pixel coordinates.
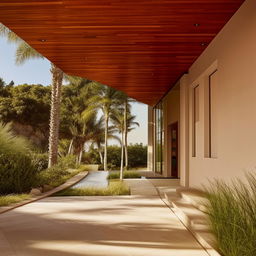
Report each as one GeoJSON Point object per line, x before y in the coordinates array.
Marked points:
{"type": "Point", "coordinates": [232, 214]}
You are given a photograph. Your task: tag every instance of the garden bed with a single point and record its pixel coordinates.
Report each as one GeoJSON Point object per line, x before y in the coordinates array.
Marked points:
{"type": "Point", "coordinates": [114, 188]}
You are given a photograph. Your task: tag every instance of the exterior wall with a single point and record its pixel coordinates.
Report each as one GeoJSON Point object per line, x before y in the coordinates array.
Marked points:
{"type": "Point", "coordinates": [184, 132]}
{"type": "Point", "coordinates": [233, 117]}
{"type": "Point", "coordinates": [171, 108]}
{"type": "Point", "coordinates": [233, 54]}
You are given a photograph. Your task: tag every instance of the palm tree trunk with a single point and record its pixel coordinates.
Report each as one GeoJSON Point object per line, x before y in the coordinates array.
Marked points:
{"type": "Point", "coordinates": [70, 147]}
{"type": "Point", "coordinates": [57, 77]}
{"type": "Point", "coordinates": [106, 143]}
{"type": "Point", "coordinates": [122, 158]}
{"type": "Point", "coordinates": [80, 156]}
{"type": "Point", "coordinates": [125, 136]}
{"type": "Point", "coordinates": [101, 157]}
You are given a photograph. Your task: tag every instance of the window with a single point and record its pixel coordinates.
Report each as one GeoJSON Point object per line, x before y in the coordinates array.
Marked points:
{"type": "Point", "coordinates": [159, 138]}
{"type": "Point", "coordinates": [195, 121]}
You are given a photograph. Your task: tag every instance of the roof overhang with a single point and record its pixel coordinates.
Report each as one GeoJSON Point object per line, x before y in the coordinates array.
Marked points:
{"type": "Point", "coordinates": [138, 46]}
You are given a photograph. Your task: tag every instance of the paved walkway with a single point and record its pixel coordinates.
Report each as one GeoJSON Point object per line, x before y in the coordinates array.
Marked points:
{"type": "Point", "coordinates": [96, 179]}
{"type": "Point", "coordinates": [95, 226]}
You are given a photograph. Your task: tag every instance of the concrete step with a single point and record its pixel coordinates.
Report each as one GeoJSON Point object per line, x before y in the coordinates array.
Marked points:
{"type": "Point", "coordinates": [188, 205]}
{"type": "Point", "coordinates": [165, 182]}
{"type": "Point", "coordinates": [194, 197]}
{"type": "Point", "coordinates": [192, 217]}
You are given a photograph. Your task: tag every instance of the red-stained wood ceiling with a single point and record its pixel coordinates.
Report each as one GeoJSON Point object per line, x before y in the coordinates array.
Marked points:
{"type": "Point", "coordinates": [138, 46]}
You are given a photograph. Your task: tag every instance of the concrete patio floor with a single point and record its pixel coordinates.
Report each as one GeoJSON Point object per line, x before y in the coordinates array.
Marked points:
{"type": "Point", "coordinates": [95, 226]}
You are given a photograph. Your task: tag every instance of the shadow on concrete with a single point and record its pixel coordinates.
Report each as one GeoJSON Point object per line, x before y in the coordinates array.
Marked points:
{"type": "Point", "coordinates": [96, 226]}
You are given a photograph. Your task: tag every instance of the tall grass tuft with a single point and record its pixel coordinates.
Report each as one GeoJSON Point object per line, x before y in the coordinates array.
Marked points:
{"type": "Point", "coordinates": [232, 214]}
{"type": "Point", "coordinates": [9, 143]}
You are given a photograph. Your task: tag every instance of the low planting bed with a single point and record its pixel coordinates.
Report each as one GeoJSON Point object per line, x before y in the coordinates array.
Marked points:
{"type": "Point", "coordinates": [13, 199]}
{"type": "Point", "coordinates": [114, 188]}
{"type": "Point", "coordinates": [127, 175]}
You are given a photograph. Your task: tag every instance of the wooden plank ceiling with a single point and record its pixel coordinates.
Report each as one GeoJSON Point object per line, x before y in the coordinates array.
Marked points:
{"type": "Point", "coordinates": [139, 46]}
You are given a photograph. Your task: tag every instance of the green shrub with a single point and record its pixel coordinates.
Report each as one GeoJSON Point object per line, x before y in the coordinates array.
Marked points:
{"type": "Point", "coordinates": [40, 161]}
{"type": "Point", "coordinates": [17, 173]}
{"type": "Point", "coordinates": [137, 156]}
{"type": "Point", "coordinates": [53, 176]}
{"type": "Point", "coordinates": [127, 175]}
{"type": "Point", "coordinates": [114, 188]}
{"type": "Point", "coordinates": [68, 161]}
{"type": "Point", "coordinates": [59, 173]}
{"type": "Point", "coordinates": [232, 215]}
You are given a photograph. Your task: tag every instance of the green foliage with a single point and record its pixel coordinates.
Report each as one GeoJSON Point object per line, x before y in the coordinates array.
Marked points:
{"type": "Point", "coordinates": [40, 161]}
{"type": "Point", "coordinates": [127, 175]}
{"type": "Point", "coordinates": [12, 199]}
{"type": "Point", "coordinates": [137, 155]}
{"type": "Point", "coordinates": [232, 214]}
{"type": "Point", "coordinates": [17, 171]}
{"type": "Point", "coordinates": [115, 188]}
{"type": "Point", "coordinates": [26, 104]}
{"type": "Point", "coordinates": [91, 157]}
{"type": "Point", "coordinates": [9, 143]}
{"type": "Point", "coordinates": [59, 173]}
{"type": "Point", "coordinates": [114, 156]}
{"type": "Point", "coordinates": [29, 106]}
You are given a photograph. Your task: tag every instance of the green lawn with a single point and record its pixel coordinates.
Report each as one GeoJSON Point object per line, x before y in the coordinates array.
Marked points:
{"type": "Point", "coordinates": [11, 199]}
{"type": "Point", "coordinates": [114, 188]}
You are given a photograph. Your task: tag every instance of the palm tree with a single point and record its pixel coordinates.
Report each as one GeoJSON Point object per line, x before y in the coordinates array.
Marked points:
{"type": "Point", "coordinates": [23, 53]}
{"type": "Point", "coordinates": [106, 99]}
{"type": "Point", "coordinates": [127, 108]}
{"type": "Point", "coordinates": [83, 130]}
{"type": "Point", "coordinates": [124, 121]}
{"type": "Point", "coordinates": [99, 136]}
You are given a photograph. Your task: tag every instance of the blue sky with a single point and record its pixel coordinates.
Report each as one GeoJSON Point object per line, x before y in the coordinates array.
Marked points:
{"type": "Point", "coordinates": [37, 72]}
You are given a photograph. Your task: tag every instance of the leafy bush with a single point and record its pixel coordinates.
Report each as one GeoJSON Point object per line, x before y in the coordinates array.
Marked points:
{"type": "Point", "coordinates": [137, 155]}
{"type": "Point", "coordinates": [232, 214]}
{"type": "Point", "coordinates": [114, 188]}
{"type": "Point", "coordinates": [127, 175]}
{"type": "Point", "coordinates": [40, 161]}
{"type": "Point", "coordinates": [17, 173]}
{"type": "Point", "coordinates": [68, 161]}
{"type": "Point", "coordinates": [59, 173]}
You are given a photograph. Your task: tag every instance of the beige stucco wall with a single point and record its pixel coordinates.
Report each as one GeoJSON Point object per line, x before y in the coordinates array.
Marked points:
{"type": "Point", "coordinates": [171, 107]}
{"type": "Point", "coordinates": [233, 53]}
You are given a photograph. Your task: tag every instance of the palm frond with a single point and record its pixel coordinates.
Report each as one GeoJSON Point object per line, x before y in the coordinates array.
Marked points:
{"type": "Point", "coordinates": [11, 36]}
{"type": "Point", "coordinates": [25, 52]}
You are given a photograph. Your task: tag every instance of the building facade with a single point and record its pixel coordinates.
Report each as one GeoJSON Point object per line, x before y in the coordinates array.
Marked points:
{"type": "Point", "coordinates": [205, 126]}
